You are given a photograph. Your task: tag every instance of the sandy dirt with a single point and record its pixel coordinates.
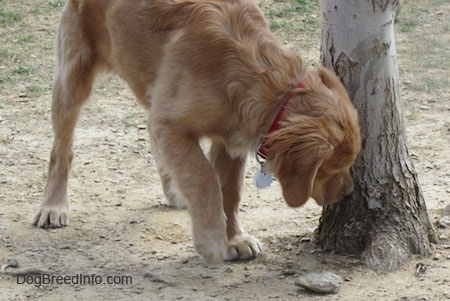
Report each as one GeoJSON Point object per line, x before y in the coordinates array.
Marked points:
{"type": "Point", "coordinates": [119, 225]}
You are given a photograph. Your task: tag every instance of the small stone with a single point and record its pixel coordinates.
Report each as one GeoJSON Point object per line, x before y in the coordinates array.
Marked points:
{"type": "Point", "coordinates": [289, 272]}
{"type": "Point", "coordinates": [443, 222]}
{"type": "Point", "coordinates": [446, 210]}
{"type": "Point", "coordinates": [437, 256]}
{"type": "Point", "coordinates": [13, 263]}
{"type": "Point", "coordinates": [322, 283]}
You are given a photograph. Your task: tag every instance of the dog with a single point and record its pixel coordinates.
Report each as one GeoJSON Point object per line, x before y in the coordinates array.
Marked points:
{"type": "Point", "coordinates": [205, 69]}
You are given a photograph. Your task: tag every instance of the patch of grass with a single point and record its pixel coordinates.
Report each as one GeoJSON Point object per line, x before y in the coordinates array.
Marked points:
{"type": "Point", "coordinates": [25, 39]}
{"type": "Point", "coordinates": [7, 18]}
{"type": "Point", "coordinates": [426, 36]}
{"type": "Point", "coordinates": [36, 89]}
{"type": "Point", "coordinates": [7, 56]}
{"type": "Point", "coordinates": [4, 54]}
{"type": "Point", "coordinates": [307, 6]}
{"type": "Point", "coordinates": [21, 70]}
{"type": "Point", "coordinates": [51, 5]}
{"type": "Point", "coordinates": [408, 25]}
{"type": "Point", "coordinates": [430, 85]}
{"type": "Point", "coordinates": [56, 3]}
{"type": "Point", "coordinates": [49, 46]}
{"type": "Point", "coordinates": [293, 15]}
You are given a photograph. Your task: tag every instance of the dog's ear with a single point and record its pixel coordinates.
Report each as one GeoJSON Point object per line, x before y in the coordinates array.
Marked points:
{"type": "Point", "coordinates": [326, 77]}
{"type": "Point", "coordinates": [299, 150]}
{"type": "Point", "coordinates": [298, 183]}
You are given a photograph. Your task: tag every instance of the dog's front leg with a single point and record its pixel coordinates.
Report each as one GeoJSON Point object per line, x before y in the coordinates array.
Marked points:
{"type": "Point", "coordinates": [241, 246]}
{"type": "Point", "coordinates": [196, 180]}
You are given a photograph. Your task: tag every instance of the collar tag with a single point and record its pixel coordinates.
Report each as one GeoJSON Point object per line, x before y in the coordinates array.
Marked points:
{"type": "Point", "coordinates": [262, 178]}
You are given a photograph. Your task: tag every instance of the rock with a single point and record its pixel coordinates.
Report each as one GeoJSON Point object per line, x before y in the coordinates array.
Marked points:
{"type": "Point", "coordinates": [437, 256]}
{"type": "Point", "coordinates": [13, 263]}
{"type": "Point", "coordinates": [443, 222]}
{"type": "Point", "coordinates": [446, 211]}
{"type": "Point", "coordinates": [322, 283]}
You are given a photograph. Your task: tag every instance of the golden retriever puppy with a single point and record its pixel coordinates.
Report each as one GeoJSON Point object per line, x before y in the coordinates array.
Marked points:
{"type": "Point", "coordinates": [205, 69]}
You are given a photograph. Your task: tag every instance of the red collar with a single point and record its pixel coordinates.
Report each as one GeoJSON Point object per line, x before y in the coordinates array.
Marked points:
{"type": "Point", "coordinates": [262, 149]}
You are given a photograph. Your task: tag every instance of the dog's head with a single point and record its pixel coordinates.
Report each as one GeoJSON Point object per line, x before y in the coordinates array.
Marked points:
{"type": "Point", "coordinates": [317, 142]}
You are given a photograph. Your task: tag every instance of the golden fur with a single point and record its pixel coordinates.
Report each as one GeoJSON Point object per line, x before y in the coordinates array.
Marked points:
{"type": "Point", "coordinates": [204, 69]}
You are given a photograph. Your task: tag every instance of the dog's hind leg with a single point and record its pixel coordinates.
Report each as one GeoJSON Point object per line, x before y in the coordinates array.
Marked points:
{"type": "Point", "coordinates": [241, 246]}
{"type": "Point", "coordinates": [75, 72]}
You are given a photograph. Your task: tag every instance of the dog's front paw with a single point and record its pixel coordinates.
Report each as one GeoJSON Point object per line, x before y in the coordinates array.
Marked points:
{"type": "Point", "coordinates": [211, 242]}
{"type": "Point", "coordinates": [213, 254]}
{"type": "Point", "coordinates": [243, 247]}
{"type": "Point", "coordinates": [51, 217]}
{"type": "Point", "coordinates": [212, 250]}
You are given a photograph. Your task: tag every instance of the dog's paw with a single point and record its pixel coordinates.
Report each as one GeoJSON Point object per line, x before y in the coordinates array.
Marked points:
{"type": "Point", "coordinates": [176, 202]}
{"type": "Point", "coordinates": [210, 243]}
{"type": "Point", "coordinates": [212, 250]}
{"type": "Point", "coordinates": [51, 217]}
{"type": "Point", "coordinates": [243, 247]}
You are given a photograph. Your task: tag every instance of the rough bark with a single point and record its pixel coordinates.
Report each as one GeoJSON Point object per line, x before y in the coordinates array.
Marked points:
{"type": "Point", "coordinates": [385, 220]}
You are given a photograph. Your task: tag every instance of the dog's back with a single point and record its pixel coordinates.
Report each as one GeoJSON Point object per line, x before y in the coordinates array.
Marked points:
{"type": "Point", "coordinates": [133, 38]}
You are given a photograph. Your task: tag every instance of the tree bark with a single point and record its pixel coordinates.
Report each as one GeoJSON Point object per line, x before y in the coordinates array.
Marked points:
{"type": "Point", "coordinates": [385, 219]}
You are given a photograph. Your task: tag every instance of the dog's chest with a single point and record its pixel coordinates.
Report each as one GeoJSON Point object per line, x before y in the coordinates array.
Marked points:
{"type": "Point", "coordinates": [239, 146]}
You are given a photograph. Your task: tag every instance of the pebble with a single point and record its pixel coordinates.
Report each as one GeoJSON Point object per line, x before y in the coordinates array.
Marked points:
{"type": "Point", "coordinates": [13, 263]}
{"type": "Point", "coordinates": [443, 222]}
{"type": "Point", "coordinates": [446, 210]}
{"type": "Point", "coordinates": [322, 283]}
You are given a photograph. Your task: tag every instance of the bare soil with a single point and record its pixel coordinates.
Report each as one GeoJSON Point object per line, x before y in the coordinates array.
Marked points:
{"type": "Point", "coordinates": [119, 225]}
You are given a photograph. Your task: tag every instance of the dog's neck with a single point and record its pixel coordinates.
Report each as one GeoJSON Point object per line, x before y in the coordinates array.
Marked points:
{"type": "Point", "coordinates": [261, 151]}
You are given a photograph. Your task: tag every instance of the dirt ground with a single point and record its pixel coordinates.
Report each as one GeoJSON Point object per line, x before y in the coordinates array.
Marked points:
{"type": "Point", "coordinates": [119, 225]}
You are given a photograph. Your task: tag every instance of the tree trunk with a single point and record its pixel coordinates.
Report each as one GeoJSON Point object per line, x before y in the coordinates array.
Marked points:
{"type": "Point", "coordinates": [385, 219]}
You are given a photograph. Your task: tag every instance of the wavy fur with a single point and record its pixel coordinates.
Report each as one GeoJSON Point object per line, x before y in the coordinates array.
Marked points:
{"type": "Point", "coordinates": [203, 69]}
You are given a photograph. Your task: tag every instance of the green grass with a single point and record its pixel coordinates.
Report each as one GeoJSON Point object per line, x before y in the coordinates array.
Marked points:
{"type": "Point", "coordinates": [21, 70]}
{"type": "Point", "coordinates": [408, 25]}
{"type": "Point", "coordinates": [45, 7]}
{"type": "Point", "coordinates": [7, 18]}
{"type": "Point", "coordinates": [56, 3]}
{"type": "Point", "coordinates": [430, 85]}
{"type": "Point", "coordinates": [293, 15]}
{"type": "Point", "coordinates": [36, 89]}
{"type": "Point", "coordinates": [25, 39]}
{"type": "Point", "coordinates": [429, 59]}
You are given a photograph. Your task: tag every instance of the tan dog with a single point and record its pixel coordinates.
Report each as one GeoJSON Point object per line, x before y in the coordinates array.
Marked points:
{"type": "Point", "coordinates": [205, 69]}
